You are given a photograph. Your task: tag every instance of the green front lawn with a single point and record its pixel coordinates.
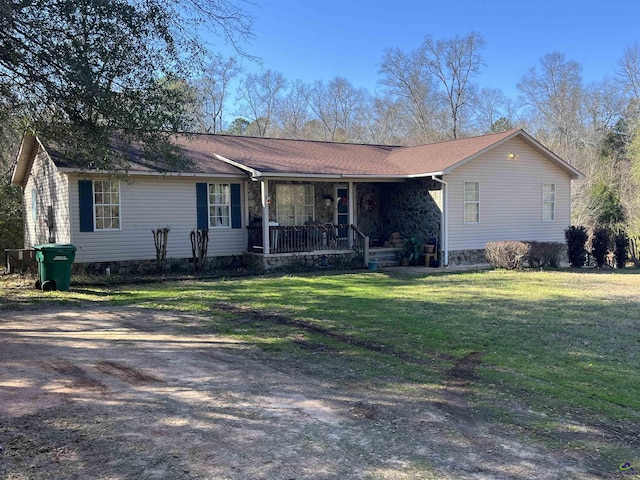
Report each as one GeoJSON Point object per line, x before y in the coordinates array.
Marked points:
{"type": "Point", "coordinates": [556, 345]}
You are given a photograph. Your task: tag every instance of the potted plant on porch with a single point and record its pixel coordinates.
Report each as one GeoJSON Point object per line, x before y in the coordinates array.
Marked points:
{"type": "Point", "coordinates": [411, 249]}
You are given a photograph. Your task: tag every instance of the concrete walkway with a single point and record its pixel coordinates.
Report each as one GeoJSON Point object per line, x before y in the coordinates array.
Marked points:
{"type": "Point", "coordinates": [420, 270]}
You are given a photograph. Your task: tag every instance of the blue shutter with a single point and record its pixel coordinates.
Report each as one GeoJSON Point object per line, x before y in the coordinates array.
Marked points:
{"type": "Point", "coordinates": [85, 191]}
{"type": "Point", "coordinates": [236, 206]}
{"type": "Point", "coordinates": [202, 205]}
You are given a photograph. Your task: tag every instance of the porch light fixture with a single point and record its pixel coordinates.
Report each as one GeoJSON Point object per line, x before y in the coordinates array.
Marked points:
{"type": "Point", "coordinates": [328, 200]}
{"type": "Point", "coordinates": [512, 156]}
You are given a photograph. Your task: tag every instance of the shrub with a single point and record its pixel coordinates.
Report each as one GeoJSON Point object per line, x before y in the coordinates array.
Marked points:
{"type": "Point", "coordinates": [634, 250]}
{"type": "Point", "coordinates": [600, 241]}
{"type": "Point", "coordinates": [543, 254]}
{"type": "Point", "coordinates": [508, 254]}
{"type": "Point", "coordinates": [606, 205]}
{"type": "Point", "coordinates": [621, 243]}
{"type": "Point", "coordinates": [576, 239]}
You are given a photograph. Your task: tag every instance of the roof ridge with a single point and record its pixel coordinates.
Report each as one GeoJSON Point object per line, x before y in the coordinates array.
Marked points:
{"type": "Point", "coordinates": [333, 142]}
{"type": "Point", "coordinates": [472, 137]}
{"type": "Point", "coordinates": [330, 142]}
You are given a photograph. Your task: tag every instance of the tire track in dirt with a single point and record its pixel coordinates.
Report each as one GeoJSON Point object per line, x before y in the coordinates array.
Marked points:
{"type": "Point", "coordinates": [459, 379]}
{"type": "Point", "coordinates": [78, 377]}
{"type": "Point", "coordinates": [455, 401]}
{"type": "Point", "coordinates": [130, 375]}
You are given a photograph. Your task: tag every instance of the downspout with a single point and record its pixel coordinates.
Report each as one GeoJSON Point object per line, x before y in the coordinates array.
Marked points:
{"type": "Point", "coordinates": [444, 221]}
{"type": "Point", "coordinates": [264, 194]}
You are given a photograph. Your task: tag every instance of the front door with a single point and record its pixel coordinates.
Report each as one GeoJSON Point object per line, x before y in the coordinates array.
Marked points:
{"type": "Point", "coordinates": [342, 211]}
{"type": "Point", "coordinates": [342, 206]}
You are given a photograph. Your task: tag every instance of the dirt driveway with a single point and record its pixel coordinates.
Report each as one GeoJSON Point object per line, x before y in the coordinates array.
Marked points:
{"type": "Point", "coordinates": [127, 393]}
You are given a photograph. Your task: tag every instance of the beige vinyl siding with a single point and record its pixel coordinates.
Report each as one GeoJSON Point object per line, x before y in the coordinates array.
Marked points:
{"type": "Point", "coordinates": [510, 198]}
{"type": "Point", "coordinates": [146, 204]}
{"type": "Point", "coordinates": [51, 189]}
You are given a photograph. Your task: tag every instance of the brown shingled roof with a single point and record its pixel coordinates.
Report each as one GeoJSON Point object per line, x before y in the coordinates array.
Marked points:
{"type": "Point", "coordinates": [303, 157]}
{"type": "Point", "coordinates": [442, 156]}
{"type": "Point", "coordinates": [233, 155]}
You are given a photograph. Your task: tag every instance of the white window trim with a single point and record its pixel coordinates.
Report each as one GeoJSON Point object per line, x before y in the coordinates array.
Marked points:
{"type": "Point", "coordinates": [95, 205]}
{"type": "Point", "coordinates": [465, 202]}
{"type": "Point", "coordinates": [552, 202]}
{"type": "Point", "coordinates": [209, 205]}
{"type": "Point", "coordinates": [313, 204]}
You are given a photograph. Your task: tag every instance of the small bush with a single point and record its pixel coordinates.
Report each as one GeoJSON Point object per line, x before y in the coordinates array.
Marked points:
{"type": "Point", "coordinates": [509, 254]}
{"type": "Point", "coordinates": [576, 239]}
{"type": "Point", "coordinates": [545, 254]}
{"type": "Point", "coordinates": [600, 242]}
{"type": "Point", "coordinates": [634, 250]}
{"type": "Point", "coordinates": [621, 243]}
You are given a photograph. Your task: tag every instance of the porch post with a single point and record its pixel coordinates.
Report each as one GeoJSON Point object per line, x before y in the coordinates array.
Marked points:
{"type": "Point", "coordinates": [444, 220]}
{"type": "Point", "coordinates": [351, 203]}
{"type": "Point", "coordinates": [264, 193]}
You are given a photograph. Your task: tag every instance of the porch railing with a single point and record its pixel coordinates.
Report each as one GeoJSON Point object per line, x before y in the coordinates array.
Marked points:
{"type": "Point", "coordinates": [360, 244]}
{"type": "Point", "coordinates": [307, 238]}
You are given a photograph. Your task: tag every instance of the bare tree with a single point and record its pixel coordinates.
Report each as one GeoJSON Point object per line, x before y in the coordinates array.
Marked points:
{"type": "Point", "coordinates": [493, 111]}
{"type": "Point", "coordinates": [388, 124]}
{"type": "Point", "coordinates": [212, 93]}
{"type": "Point", "coordinates": [454, 62]}
{"type": "Point", "coordinates": [603, 106]}
{"type": "Point", "coordinates": [260, 94]}
{"type": "Point", "coordinates": [629, 70]}
{"type": "Point", "coordinates": [629, 74]}
{"type": "Point", "coordinates": [292, 111]}
{"type": "Point", "coordinates": [553, 95]}
{"type": "Point", "coordinates": [414, 91]}
{"type": "Point", "coordinates": [341, 108]}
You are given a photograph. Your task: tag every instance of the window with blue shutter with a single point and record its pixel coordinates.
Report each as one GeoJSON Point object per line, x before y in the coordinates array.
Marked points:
{"type": "Point", "coordinates": [236, 206]}
{"type": "Point", "coordinates": [202, 205]}
{"type": "Point", "coordinates": [219, 205]}
{"type": "Point", "coordinates": [85, 191]}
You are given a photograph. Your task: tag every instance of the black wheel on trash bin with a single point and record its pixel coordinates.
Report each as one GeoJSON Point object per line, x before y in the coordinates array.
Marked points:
{"type": "Point", "coordinates": [38, 284]}
{"type": "Point", "coordinates": [48, 285]}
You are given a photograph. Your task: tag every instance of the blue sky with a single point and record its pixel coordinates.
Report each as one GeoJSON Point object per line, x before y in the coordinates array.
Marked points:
{"type": "Point", "coordinates": [311, 40]}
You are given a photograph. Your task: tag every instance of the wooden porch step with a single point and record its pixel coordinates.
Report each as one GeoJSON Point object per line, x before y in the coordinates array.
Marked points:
{"type": "Point", "coordinates": [387, 257]}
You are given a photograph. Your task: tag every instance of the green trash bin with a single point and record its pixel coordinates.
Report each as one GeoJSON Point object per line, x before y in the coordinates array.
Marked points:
{"type": "Point", "coordinates": [54, 266]}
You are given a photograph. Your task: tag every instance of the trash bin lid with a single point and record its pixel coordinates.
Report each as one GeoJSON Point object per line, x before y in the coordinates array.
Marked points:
{"type": "Point", "coordinates": [56, 246]}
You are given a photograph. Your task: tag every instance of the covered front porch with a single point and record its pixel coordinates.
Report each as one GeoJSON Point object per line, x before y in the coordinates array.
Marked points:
{"type": "Point", "coordinates": [328, 217]}
{"type": "Point", "coordinates": [326, 237]}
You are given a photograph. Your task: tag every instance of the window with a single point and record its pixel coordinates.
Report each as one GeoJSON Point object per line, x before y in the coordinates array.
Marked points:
{"type": "Point", "coordinates": [106, 202]}
{"type": "Point", "coordinates": [548, 202]}
{"type": "Point", "coordinates": [34, 205]}
{"type": "Point", "coordinates": [219, 205]}
{"type": "Point", "coordinates": [294, 204]}
{"type": "Point", "coordinates": [471, 202]}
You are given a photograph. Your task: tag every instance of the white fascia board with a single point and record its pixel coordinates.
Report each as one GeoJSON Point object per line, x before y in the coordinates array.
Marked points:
{"type": "Point", "coordinates": [254, 173]}
{"type": "Point", "coordinates": [300, 176]}
{"type": "Point", "coordinates": [24, 159]}
{"type": "Point", "coordinates": [152, 173]}
{"type": "Point", "coordinates": [430, 174]}
{"type": "Point", "coordinates": [332, 177]}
